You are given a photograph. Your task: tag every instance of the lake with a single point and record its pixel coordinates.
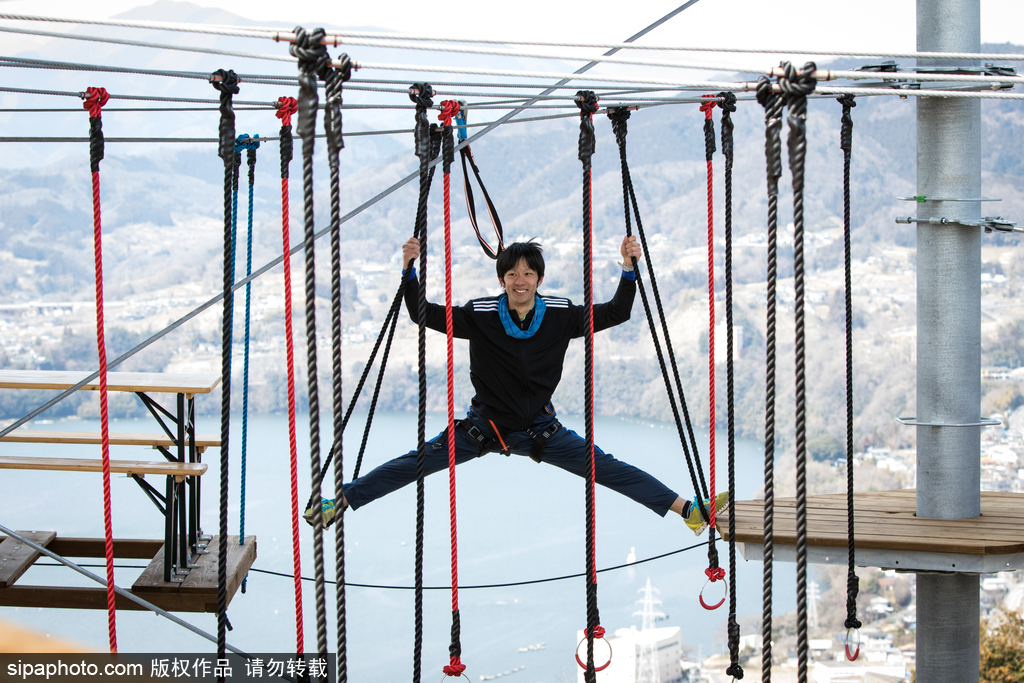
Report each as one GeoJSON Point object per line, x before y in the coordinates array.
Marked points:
{"type": "Point", "coordinates": [517, 521]}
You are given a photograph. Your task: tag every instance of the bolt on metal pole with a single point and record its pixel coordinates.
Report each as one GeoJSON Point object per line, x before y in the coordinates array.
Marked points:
{"type": "Point", "coordinates": [948, 340]}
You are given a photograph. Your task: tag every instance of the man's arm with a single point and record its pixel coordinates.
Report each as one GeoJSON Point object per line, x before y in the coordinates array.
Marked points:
{"type": "Point", "coordinates": [435, 312]}
{"type": "Point", "coordinates": [618, 309]}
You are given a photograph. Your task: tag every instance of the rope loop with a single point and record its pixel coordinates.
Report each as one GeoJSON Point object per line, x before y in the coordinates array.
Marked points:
{"type": "Point", "coordinates": [846, 134]}
{"type": "Point", "coordinates": [714, 574]}
{"type": "Point", "coordinates": [727, 103]}
{"type": "Point", "coordinates": [247, 142]}
{"type": "Point", "coordinates": [449, 110]}
{"type": "Point", "coordinates": [797, 83]}
{"type": "Point", "coordinates": [586, 100]}
{"type": "Point", "coordinates": [598, 632]}
{"type": "Point", "coordinates": [618, 116]}
{"type": "Point", "coordinates": [286, 106]}
{"type": "Point", "coordinates": [420, 94]}
{"type": "Point", "coordinates": [225, 81]}
{"type": "Point", "coordinates": [455, 668]}
{"type": "Point", "coordinates": [709, 126]}
{"type": "Point", "coordinates": [309, 49]}
{"type": "Point", "coordinates": [94, 99]}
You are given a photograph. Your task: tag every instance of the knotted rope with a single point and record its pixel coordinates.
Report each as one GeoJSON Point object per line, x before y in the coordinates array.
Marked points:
{"type": "Point", "coordinates": [586, 100]}
{"type": "Point", "coordinates": [852, 581]}
{"type": "Point", "coordinates": [94, 99]}
{"type": "Point", "coordinates": [286, 106]}
{"type": "Point", "coordinates": [226, 83]}
{"type": "Point", "coordinates": [796, 86]}
{"type": "Point", "coordinates": [773, 154]}
{"type": "Point", "coordinates": [727, 103]}
{"type": "Point", "coordinates": [312, 55]}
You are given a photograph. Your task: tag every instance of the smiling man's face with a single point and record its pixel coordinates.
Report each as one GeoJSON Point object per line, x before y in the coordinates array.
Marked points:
{"type": "Point", "coordinates": [521, 284]}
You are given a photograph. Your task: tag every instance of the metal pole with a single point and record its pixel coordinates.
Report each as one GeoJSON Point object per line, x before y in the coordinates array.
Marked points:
{"type": "Point", "coordinates": [948, 341]}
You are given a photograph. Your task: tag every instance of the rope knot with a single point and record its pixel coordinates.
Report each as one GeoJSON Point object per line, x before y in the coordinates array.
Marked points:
{"type": "Point", "coordinates": [309, 49]}
{"type": "Point", "coordinates": [846, 132]}
{"type": "Point", "coordinates": [586, 100]}
{"type": "Point", "coordinates": [244, 142]}
{"type": "Point", "coordinates": [449, 110]}
{"type": "Point", "coordinates": [455, 668]}
{"type": "Point", "coordinates": [598, 632]}
{"type": "Point", "coordinates": [421, 94]}
{"type": "Point", "coordinates": [727, 101]}
{"type": "Point", "coordinates": [93, 100]}
{"type": "Point", "coordinates": [225, 81]}
{"type": "Point", "coordinates": [797, 83]}
{"type": "Point", "coordinates": [707, 105]}
{"type": "Point", "coordinates": [714, 574]}
{"type": "Point", "coordinates": [618, 117]}
{"type": "Point", "coordinates": [286, 106]}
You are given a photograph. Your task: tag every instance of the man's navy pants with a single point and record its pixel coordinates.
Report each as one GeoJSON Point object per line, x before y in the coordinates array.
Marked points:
{"type": "Point", "coordinates": [565, 449]}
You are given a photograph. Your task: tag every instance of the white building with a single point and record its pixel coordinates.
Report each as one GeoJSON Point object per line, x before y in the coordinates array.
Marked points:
{"type": "Point", "coordinates": [626, 646]}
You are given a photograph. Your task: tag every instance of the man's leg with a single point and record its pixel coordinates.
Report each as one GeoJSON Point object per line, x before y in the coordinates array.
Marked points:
{"type": "Point", "coordinates": [397, 473]}
{"type": "Point", "coordinates": [568, 450]}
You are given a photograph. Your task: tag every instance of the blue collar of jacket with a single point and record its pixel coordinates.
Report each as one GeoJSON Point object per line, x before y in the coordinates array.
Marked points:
{"type": "Point", "coordinates": [511, 329]}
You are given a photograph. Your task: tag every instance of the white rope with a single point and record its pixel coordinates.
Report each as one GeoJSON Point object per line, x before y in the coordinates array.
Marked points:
{"type": "Point", "coordinates": [139, 43]}
{"type": "Point", "coordinates": [260, 32]}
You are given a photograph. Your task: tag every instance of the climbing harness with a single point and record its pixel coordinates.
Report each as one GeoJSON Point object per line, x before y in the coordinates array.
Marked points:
{"type": "Point", "coordinates": [852, 624]}
{"type": "Point", "coordinates": [713, 572]}
{"type": "Point", "coordinates": [250, 145]}
{"type": "Point", "coordinates": [311, 55]}
{"type": "Point", "coordinates": [94, 99]}
{"type": "Point", "coordinates": [796, 85]}
{"type": "Point", "coordinates": [586, 100]}
{"type": "Point", "coordinates": [467, 155]}
{"type": "Point", "coordinates": [286, 107]}
{"type": "Point", "coordinates": [727, 103]}
{"type": "Point", "coordinates": [226, 83]}
{"type": "Point", "coordinates": [773, 155]}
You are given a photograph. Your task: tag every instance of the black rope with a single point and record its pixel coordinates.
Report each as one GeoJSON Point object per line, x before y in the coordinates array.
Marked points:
{"type": "Point", "coordinates": [727, 102]}
{"type": "Point", "coordinates": [420, 94]}
{"type": "Point", "coordinates": [773, 155]}
{"type": "Point", "coordinates": [225, 82]}
{"type": "Point", "coordinates": [312, 55]}
{"type": "Point", "coordinates": [796, 85]}
{"type": "Point", "coordinates": [333, 83]}
{"type": "Point", "coordinates": [846, 143]}
{"type": "Point", "coordinates": [619, 116]}
{"type": "Point", "coordinates": [587, 102]}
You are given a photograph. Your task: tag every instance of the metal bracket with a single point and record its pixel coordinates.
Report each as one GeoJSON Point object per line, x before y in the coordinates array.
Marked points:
{"type": "Point", "coordinates": [889, 66]}
{"type": "Point", "coordinates": [989, 223]}
{"type": "Point", "coordinates": [912, 422]}
{"type": "Point", "coordinates": [920, 199]}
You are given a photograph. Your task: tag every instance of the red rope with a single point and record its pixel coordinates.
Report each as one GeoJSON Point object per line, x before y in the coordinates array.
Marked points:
{"type": "Point", "coordinates": [95, 98]}
{"type": "Point", "coordinates": [286, 107]}
{"type": "Point", "coordinates": [706, 108]}
{"type": "Point", "coordinates": [450, 109]}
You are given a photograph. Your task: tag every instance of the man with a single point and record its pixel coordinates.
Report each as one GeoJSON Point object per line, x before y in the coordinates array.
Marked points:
{"type": "Point", "coordinates": [517, 345]}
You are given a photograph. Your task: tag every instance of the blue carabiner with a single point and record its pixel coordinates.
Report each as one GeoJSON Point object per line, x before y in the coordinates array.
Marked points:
{"type": "Point", "coordinates": [460, 121]}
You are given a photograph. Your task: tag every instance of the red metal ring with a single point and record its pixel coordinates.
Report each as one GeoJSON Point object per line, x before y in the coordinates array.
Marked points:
{"type": "Point", "coordinates": [705, 605]}
{"type": "Point", "coordinates": [583, 665]}
{"type": "Point", "coordinates": [856, 652]}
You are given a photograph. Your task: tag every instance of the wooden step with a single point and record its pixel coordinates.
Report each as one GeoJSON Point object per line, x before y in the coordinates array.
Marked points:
{"type": "Point", "coordinates": [16, 557]}
{"type": "Point", "coordinates": [203, 441]}
{"type": "Point", "coordinates": [177, 470]}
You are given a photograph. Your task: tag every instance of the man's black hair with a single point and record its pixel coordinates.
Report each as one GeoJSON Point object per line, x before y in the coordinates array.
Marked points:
{"type": "Point", "coordinates": [510, 255]}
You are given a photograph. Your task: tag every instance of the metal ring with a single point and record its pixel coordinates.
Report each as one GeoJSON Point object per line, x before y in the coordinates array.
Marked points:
{"type": "Point", "coordinates": [856, 653]}
{"type": "Point", "coordinates": [445, 677]}
{"type": "Point", "coordinates": [705, 605]}
{"type": "Point", "coordinates": [583, 665]}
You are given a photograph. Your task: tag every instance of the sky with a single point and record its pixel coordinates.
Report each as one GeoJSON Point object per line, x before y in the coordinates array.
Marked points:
{"type": "Point", "coordinates": [876, 25]}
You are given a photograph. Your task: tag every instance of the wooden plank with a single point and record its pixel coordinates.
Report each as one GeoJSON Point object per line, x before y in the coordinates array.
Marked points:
{"type": "Point", "coordinates": [202, 580]}
{"type": "Point", "coordinates": [124, 548]}
{"type": "Point", "coordinates": [64, 597]}
{"type": "Point", "coordinates": [16, 557]}
{"type": "Point", "coordinates": [1010, 527]}
{"type": "Point", "coordinates": [173, 469]}
{"type": "Point", "coordinates": [150, 382]}
{"type": "Point", "coordinates": [203, 441]}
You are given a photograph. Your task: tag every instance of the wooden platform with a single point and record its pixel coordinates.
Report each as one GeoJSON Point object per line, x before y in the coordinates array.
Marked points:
{"type": "Point", "coordinates": [197, 593]}
{"type": "Point", "coordinates": [203, 441]}
{"type": "Point", "coordinates": [146, 382]}
{"type": "Point", "coordinates": [141, 468]}
{"type": "Point", "coordinates": [888, 533]}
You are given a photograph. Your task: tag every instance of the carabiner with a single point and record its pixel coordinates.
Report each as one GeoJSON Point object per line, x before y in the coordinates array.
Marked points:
{"type": "Point", "coordinates": [856, 652]}
{"type": "Point", "coordinates": [718, 604]}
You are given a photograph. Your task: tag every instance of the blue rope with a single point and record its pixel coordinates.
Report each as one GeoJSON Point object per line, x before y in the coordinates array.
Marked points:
{"type": "Point", "coordinates": [251, 145]}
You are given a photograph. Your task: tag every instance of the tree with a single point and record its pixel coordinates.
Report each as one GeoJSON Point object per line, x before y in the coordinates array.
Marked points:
{"type": "Point", "coordinates": [1002, 648]}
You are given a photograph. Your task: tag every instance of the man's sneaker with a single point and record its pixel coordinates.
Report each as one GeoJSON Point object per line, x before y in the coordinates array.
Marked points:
{"type": "Point", "coordinates": [326, 509]}
{"type": "Point", "coordinates": [696, 521]}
